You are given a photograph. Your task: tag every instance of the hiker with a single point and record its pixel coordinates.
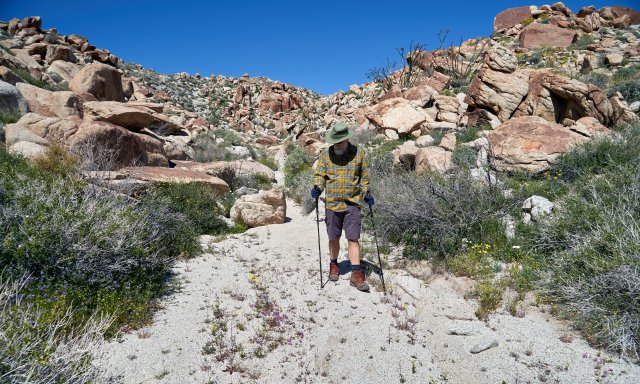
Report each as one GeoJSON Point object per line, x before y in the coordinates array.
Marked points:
{"type": "Point", "coordinates": [342, 174]}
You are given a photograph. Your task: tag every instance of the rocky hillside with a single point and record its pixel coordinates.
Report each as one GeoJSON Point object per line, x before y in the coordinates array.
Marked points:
{"type": "Point", "coordinates": [541, 77]}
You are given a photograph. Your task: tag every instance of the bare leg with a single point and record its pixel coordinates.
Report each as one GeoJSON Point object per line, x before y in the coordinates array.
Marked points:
{"type": "Point", "coordinates": [354, 252]}
{"type": "Point", "coordinates": [334, 248]}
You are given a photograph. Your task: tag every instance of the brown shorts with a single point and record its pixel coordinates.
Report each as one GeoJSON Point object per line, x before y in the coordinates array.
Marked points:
{"type": "Point", "coordinates": [349, 220]}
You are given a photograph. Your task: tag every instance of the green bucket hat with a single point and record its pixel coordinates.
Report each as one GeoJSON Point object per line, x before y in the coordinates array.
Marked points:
{"type": "Point", "coordinates": [339, 132]}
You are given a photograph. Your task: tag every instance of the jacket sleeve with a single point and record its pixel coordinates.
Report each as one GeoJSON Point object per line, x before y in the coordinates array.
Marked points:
{"type": "Point", "coordinates": [319, 176]}
{"type": "Point", "coordinates": [364, 175]}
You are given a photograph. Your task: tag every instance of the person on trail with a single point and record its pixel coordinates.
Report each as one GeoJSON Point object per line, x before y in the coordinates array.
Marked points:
{"type": "Point", "coordinates": [342, 174]}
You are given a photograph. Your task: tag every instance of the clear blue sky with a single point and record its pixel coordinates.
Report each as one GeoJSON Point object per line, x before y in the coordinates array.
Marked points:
{"type": "Point", "coordinates": [323, 45]}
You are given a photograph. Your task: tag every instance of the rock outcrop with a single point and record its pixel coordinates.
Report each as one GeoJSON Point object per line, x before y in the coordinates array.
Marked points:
{"type": "Point", "coordinates": [99, 80]}
{"type": "Point", "coordinates": [530, 143]}
{"type": "Point", "coordinates": [11, 100]}
{"type": "Point", "coordinates": [262, 208]}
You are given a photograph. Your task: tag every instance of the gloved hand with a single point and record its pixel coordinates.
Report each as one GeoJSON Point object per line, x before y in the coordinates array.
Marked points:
{"type": "Point", "coordinates": [315, 192]}
{"type": "Point", "coordinates": [368, 198]}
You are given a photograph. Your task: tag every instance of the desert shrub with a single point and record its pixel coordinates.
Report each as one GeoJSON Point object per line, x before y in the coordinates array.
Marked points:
{"type": "Point", "coordinates": [86, 245]}
{"type": "Point", "coordinates": [207, 148]}
{"type": "Point", "coordinates": [550, 185]}
{"type": "Point", "coordinates": [600, 80]}
{"type": "Point", "coordinates": [591, 244]}
{"type": "Point", "coordinates": [432, 214]}
{"type": "Point", "coordinates": [26, 76]}
{"type": "Point", "coordinates": [8, 118]}
{"type": "Point", "coordinates": [464, 156]}
{"type": "Point", "coordinates": [471, 133]}
{"type": "Point", "coordinates": [630, 89]}
{"type": "Point", "coordinates": [583, 42]}
{"type": "Point", "coordinates": [597, 155]}
{"type": "Point", "coordinates": [57, 160]}
{"type": "Point", "coordinates": [196, 201]}
{"type": "Point", "coordinates": [269, 162]}
{"type": "Point", "coordinates": [263, 181]}
{"type": "Point", "coordinates": [298, 176]}
{"type": "Point", "coordinates": [36, 350]}
{"type": "Point", "coordinates": [627, 82]}
{"type": "Point", "coordinates": [366, 137]}
{"type": "Point", "coordinates": [380, 159]}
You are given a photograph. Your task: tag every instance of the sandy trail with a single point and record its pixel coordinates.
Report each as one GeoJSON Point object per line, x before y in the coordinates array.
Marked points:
{"type": "Point", "coordinates": [250, 309]}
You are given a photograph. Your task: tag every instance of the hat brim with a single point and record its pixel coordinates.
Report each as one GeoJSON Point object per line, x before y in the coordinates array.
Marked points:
{"type": "Point", "coordinates": [333, 139]}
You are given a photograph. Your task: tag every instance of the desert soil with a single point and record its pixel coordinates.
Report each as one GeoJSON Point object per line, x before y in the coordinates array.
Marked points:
{"type": "Point", "coordinates": [250, 309]}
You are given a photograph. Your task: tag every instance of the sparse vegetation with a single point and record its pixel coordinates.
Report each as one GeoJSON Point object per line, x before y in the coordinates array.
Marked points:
{"type": "Point", "coordinates": [404, 74]}
{"type": "Point", "coordinates": [591, 244]}
{"type": "Point", "coordinates": [25, 75]}
{"type": "Point", "coordinates": [583, 42]}
{"type": "Point", "coordinates": [89, 253]}
{"type": "Point", "coordinates": [298, 176]}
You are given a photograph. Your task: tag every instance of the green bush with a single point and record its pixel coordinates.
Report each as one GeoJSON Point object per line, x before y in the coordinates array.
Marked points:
{"type": "Point", "coordinates": [583, 42]}
{"type": "Point", "coordinates": [597, 155]}
{"type": "Point", "coordinates": [26, 76]}
{"type": "Point", "coordinates": [207, 149]}
{"type": "Point", "coordinates": [85, 245]}
{"type": "Point", "coordinates": [592, 247]}
{"type": "Point", "coordinates": [600, 80]}
{"type": "Point", "coordinates": [434, 215]}
{"type": "Point", "coordinates": [298, 176]}
{"type": "Point", "coordinates": [196, 201]}
{"type": "Point", "coordinates": [35, 349]}
{"type": "Point", "coordinates": [629, 89]}
{"type": "Point", "coordinates": [464, 156]}
{"type": "Point", "coordinates": [471, 133]}
{"type": "Point", "coordinates": [627, 82]}
{"type": "Point", "coordinates": [590, 243]}
{"type": "Point", "coordinates": [269, 162]}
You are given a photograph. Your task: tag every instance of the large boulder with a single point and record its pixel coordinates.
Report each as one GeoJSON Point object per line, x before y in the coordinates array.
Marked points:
{"type": "Point", "coordinates": [57, 52]}
{"type": "Point", "coordinates": [263, 208]}
{"type": "Point", "coordinates": [406, 154]}
{"type": "Point", "coordinates": [11, 100]}
{"type": "Point", "coordinates": [228, 170]}
{"type": "Point", "coordinates": [537, 35]}
{"type": "Point", "coordinates": [173, 175]}
{"type": "Point", "coordinates": [41, 130]}
{"type": "Point", "coordinates": [499, 91]}
{"type": "Point", "coordinates": [129, 147]}
{"type": "Point", "coordinates": [51, 104]}
{"type": "Point", "coordinates": [540, 93]}
{"type": "Point", "coordinates": [397, 114]}
{"type": "Point", "coordinates": [131, 116]}
{"type": "Point", "coordinates": [530, 143]}
{"type": "Point", "coordinates": [511, 17]}
{"type": "Point", "coordinates": [433, 159]}
{"type": "Point", "coordinates": [422, 94]}
{"type": "Point", "coordinates": [634, 16]}
{"type": "Point", "coordinates": [100, 80]}
{"type": "Point", "coordinates": [501, 59]}
{"type": "Point", "coordinates": [555, 98]}
{"type": "Point", "coordinates": [66, 70]}
{"type": "Point", "coordinates": [448, 108]}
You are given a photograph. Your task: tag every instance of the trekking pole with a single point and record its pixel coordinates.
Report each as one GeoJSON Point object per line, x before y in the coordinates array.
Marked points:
{"type": "Point", "coordinates": [375, 236]}
{"type": "Point", "coordinates": [319, 251]}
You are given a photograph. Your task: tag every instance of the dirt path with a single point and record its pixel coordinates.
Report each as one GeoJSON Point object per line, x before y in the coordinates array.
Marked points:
{"type": "Point", "coordinates": [250, 310]}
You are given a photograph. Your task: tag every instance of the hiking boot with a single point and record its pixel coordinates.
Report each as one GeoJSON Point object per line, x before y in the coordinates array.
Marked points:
{"type": "Point", "coordinates": [357, 280]}
{"type": "Point", "coordinates": [334, 271]}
